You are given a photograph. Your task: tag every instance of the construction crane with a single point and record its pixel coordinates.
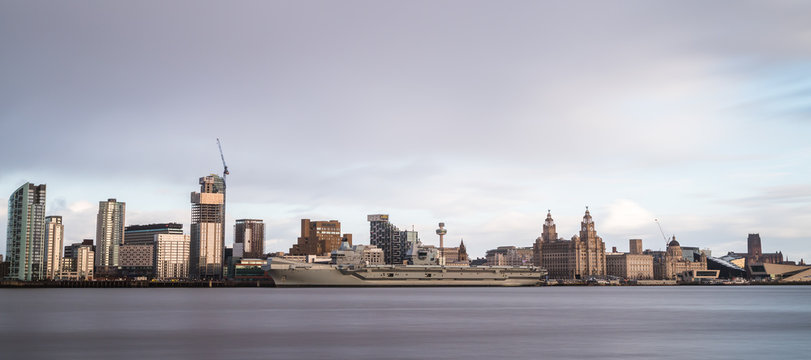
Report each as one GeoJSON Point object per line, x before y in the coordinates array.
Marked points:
{"type": "Point", "coordinates": [225, 167]}
{"type": "Point", "coordinates": [224, 173]}
{"type": "Point", "coordinates": [661, 231]}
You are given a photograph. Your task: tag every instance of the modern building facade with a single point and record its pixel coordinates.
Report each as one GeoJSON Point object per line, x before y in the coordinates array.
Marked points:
{"type": "Point", "coordinates": [55, 233]}
{"type": "Point", "coordinates": [207, 231]}
{"type": "Point", "coordinates": [145, 234]}
{"type": "Point", "coordinates": [78, 264]}
{"type": "Point", "coordinates": [26, 233]}
{"type": "Point", "coordinates": [388, 238]}
{"type": "Point", "coordinates": [581, 257]}
{"type": "Point", "coordinates": [319, 238]}
{"type": "Point", "coordinates": [109, 234]}
{"type": "Point", "coordinates": [172, 256]}
{"type": "Point", "coordinates": [249, 237]}
{"type": "Point", "coordinates": [136, 260]}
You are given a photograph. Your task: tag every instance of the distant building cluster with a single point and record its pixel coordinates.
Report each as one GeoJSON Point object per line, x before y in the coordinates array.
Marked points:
{"type": "Point", "coordinates": [36, 249]}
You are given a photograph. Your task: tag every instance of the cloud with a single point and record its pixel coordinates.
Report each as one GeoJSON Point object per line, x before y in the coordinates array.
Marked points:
{"type": "Point", "coordinates": [480, 114]}
{"type": "Point", "coordinates": [626, 216]}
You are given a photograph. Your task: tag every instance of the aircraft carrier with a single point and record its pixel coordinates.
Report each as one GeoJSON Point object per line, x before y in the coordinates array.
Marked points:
{"type": "Point", "coordinates": [290, 273]}
{"type": "Point", "coordinates": [355, 266]}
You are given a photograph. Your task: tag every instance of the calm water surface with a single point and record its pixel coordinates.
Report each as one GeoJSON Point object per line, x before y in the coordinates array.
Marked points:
{"type": "Point", "coordinates": [771, 322]}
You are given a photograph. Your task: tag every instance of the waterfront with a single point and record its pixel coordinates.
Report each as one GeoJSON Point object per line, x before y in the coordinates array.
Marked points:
{"type": "Point", "coordinates": [409, 323]}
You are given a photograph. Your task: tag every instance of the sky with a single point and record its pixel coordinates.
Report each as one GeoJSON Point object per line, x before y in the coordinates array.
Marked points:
{"type": "Point", "coordinates": [480, 114]}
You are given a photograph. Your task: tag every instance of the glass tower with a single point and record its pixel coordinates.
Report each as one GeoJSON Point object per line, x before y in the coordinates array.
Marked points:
{"type": "Point", "coordinates": [25, 235]}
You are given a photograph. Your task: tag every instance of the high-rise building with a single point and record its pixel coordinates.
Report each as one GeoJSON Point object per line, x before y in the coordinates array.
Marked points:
{"type": "Point", "coordinates": [172, 259]}
{"type": "Point", "coordinates": [207, 232]}
{"type": "Point", "coordinates": [387, 237]}
{"type": "Point", "coordinates": [579, 258]}
{"type": "Point", "coordinates": [319, 238]}
{"type": "Point", "coordinates": [55, 233]}
{"type": "Point", "coordinates": [249, 235]}
{"type": "Point", "coordinates": [109, 234]}
{"type": "Point", "coordinates": [25, 234]}
{"type": "Point", "coordinates": [145, 234]}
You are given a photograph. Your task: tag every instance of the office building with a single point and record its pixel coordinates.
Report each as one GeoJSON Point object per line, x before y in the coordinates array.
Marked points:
{"type": "Point", "coordinates": [582, 257]}
{"type": "Point", "coordinates": [632, 265]}
{"type": "Point", "coordinates": [388, 238]}
{"type": "Point", "coordinates": [55, 233]}
{"type": "Point", "coordinates": [25, 234]}
{"type": "Point", "coordinates": [79, 263]}
{"type": "Point", "coordinates": [207, 231]}
{"type": "Point", "coordinates": [509, 256]}
{"type": "Point", "coordinates": [249, 239]}
{"type": "Point", "coordinates": [172, 256]}
{"type": "Point", "coordinates": [109, 235]}
{"type": "Point", "coordinates": [319, 238]}
{"type": "Point", "coordinates": [136, 261]}
{"type": "Point", "coordinates": [145, 234]}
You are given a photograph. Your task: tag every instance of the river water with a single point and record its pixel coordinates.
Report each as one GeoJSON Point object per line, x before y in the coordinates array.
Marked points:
{"type": "Point", "coordinates": [768, 322]}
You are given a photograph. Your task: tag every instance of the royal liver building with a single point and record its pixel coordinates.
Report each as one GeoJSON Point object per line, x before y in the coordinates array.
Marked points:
{"type": "Point", "coordinates": [581, 257]}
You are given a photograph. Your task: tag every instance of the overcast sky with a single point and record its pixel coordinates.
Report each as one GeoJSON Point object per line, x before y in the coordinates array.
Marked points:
{"type": "Point", "coordinates": [479, 114]}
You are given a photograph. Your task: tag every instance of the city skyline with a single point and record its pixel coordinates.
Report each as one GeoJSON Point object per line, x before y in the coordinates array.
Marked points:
{"type": "Point", "coordinates": [476, 115]}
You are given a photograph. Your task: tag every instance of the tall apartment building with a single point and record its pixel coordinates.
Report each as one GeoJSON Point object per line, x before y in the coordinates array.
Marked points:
{"type": "Point", "coordinates": [579, 258]}
{"type": "Point", "coordinates": [171, 257]}
{"type": "Point", "coordinates": [632, 265]}
{"type": "Point", "coordinates": [387, 237]}
{"type": "Point", "coordinates": [109, 234]}
{"type": "Point", "coordinates": [145, 234]}
{"type": "Point", "coordinates": [55, 233]}
{"type": "Point", "coordinates": [319, 238]}
{"type": "Point", "coordinates": [207, 231]}
{"type": "Point", "coordinates": [249, 238]}
{"type": "Point", "coordinates": [25, 234]}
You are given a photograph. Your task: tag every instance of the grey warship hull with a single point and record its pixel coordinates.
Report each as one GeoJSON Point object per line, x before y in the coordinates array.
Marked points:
{"type": "Point", "coordinates": [299, 274]}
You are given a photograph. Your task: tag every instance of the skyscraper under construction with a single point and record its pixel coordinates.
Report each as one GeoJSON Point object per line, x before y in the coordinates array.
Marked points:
{"type": "Point", "coordinates": [207, 232]}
